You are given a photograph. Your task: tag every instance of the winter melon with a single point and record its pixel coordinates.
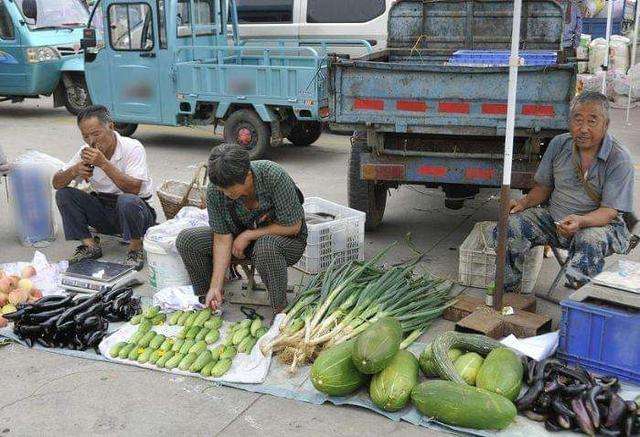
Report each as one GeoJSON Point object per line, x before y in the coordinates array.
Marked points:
{"type": "Point", "coordinates": [334, 373]}
{"type": "Point", "coordinates": [427, 365]}
{"type": "Point", "coordinates": [377, 345]}
{"type": "Point", "coordinates": [390, 389]}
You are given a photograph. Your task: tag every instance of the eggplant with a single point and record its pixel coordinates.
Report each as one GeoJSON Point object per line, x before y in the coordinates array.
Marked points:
{"type": "Point", "coordinates": [563, 421]}
{"type": "Point", "coordinates": [16, 315]}
{"type": "Point", "coordinates": [535, 416]}
{"type": "Point", "coordinates": [53, 304]}
{"type": "Point", "coordinates": [90, 324]}
{"type": "Point", "coordinates": [575, 374]}
{"type": "Point", "coordinates": [544, 401]}
{"type": "Point", "coordinates": [77, 309]}
{"type": "Point", "coordinates": [573, 390]}
{"type": "Point", "coordinates": [592, 406]}
{"type": "Point", "coordinates": [44, 315]}
{"type": "Point", "coordinates": [30, 330]}
{"type": "Point", "coordinates": [112, 294]}
{"type": "Point", "coordinates": [95, 338]}
{"type": "Point", "coordinates": [530, 396]}
{"type": "Point", "coordinates": [582, 416]}
{"type": "Point", "coordinates": [615, 412]}
{"type": "Point", "coordinates": [627, 430]}
{"type": "Point", "coordinates": [544, 365]}
{"type": "Point", "coordinates": [559, 407]}
{"type": "Point", "coordinates": [531, 372]}
{"type": "Point", "coordinates": [609, 432]}
{"type": "Point", "coordinates": [94, 310]}
{"type": "Point", "coordinates": [550, 425]}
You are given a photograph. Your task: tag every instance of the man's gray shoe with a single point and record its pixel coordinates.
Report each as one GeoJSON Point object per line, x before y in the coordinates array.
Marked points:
{"type": "Point", "coordinates": [86, 252]}
{"type": "Point", "coordinates": [135, 259]}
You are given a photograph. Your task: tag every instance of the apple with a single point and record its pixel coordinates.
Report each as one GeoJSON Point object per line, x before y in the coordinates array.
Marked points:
{"type": "Point", "coordinates": [14, 281]}
{"type": "Point", "coordinates": [5, 285]}
{"type": "Point", "coordinates": [28, 271]}
{"type": "Point", "coordinates": [36, 294]}
{"type": "Point", "coordinates": [3, 322]}
{"type": "Point", "coordinates": [4, 297]}
{"type": "Point", "coordinates": [25, 285]}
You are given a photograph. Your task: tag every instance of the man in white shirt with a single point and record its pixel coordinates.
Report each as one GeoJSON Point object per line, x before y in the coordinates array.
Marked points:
{"type": "Point", "coordinates": [116, 169]}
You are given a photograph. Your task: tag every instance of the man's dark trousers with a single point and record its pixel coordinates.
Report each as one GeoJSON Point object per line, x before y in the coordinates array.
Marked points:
{"type": "Point", "coordinates": [127, 215]}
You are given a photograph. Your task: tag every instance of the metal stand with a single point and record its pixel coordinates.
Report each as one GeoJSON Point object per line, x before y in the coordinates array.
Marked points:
{"type": "Point", "coordinates": [248, 291]}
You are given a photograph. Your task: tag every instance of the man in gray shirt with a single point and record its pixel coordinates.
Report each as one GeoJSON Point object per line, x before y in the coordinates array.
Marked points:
{"type": "Point", "coordinates": [585, 182]}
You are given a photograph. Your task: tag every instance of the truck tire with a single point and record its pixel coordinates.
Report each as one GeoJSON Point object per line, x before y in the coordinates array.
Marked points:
{"type": "Point", "coordinates": [126, 129]}
{"type": "Point", "coordinates": [305, 133]}
{"type": "Point", "coordinates": [365, 196]}
{"type": "Point", "coordinates": [245, 128]}
{"type": "Point", "coordinates": [76, 96]}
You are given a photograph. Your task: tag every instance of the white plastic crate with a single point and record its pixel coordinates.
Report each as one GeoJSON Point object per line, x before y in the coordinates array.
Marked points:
{"type": "Point", "coordinates": [478, 260]}
{"type": "Point", "coordinates": [341, 239]}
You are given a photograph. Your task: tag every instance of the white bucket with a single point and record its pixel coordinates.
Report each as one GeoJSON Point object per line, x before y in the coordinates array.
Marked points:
{"type": "Point", "coordinates": [165, 269]}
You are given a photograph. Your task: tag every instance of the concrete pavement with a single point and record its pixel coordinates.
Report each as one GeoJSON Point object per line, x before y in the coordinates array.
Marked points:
{"type": "Point", "coordinates": [54, 395]}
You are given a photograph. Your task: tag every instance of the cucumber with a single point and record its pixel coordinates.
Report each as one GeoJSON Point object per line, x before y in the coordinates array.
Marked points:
{"type": "Point", "coordinates": [228, 352]}
{"type": "Point", "coordinates": [206, 370]}
{"type": "Point", "coordinates": [469, 342]}
{"type": "Point", "coordinates": [115, 349]}
{"type": "Point", "coordinates": [212, 336]}
{"type": "Point", "coordinates": [260, 332]}
{"type": "Point", "coordinates": [228, 340]}
{"type": "Point", "coordinates": [177, 345]}
{"type": "Point", "coordinates": [501, 373]}
{"type": "Point", "coordinates": [187, 361]}
{"type": "Point", "coordinates": [183, 317]}
{"type": "Point", "coordinates": [173, 362]}
{"type": "Point", "coordinates": [190, 319]}
{"type": "Point", "coordinates": [192, 332]}
{"type": "Point", "coordinates": [144, 356]}
{"type": "Point", "coordinates": [427, 365]}
{"type": "Point", "coordinates": [167, 344]}
{"type": "Point", "coordinates": [135, 320]}
{"type": "Point", "coordinates": [216, 351]}
{"type": "Point", "coordinates": [183, 333]}
{"type": "Point", "coordinates": [201, 334]}
{"type": "Point", "coordinates": [390, 390]}
{"type": "Point", "coordinates": [162, 361]}
{"type": "Point", "coordinates": [173, 320]}
{"type": "Point", "coordinates": [203, 316]}
{"type": "Point", "coordinates": [137, 336]}
{"type": "Point", "coordinates": [246, 345]}
{"type": "Point", "coordinates": [151, 312]}
{"type": "Point", "coordinates": [188, 344]}
{"type": "Point", "coordinates": [462, 405]}
{"type": "Point", "coordinates": [156, 355]}
{"type": "Point", "coordinates": [145, 326]}
{"type": "Point", "coordinates": [245, 324]}
{"type": "Point", "coordinates": [377, 345]}
{"type": "Point", "coordinates": [159, 319]}
{"type": "Point", "coordinates": [468, 366]}
{"type": "Point", "coordinates": [240, 335]}
{"type": "Point", "coordinates": [146, 339]}
{"type": "Point", "coordinates": [124, 352]}
{"type": "Point", "coordinates": [135, 352]}
{"type": "Point", "coordinates": [202, 360]}
{"type": "Point", "coordinates": [255, 325]}
{"type": "Point", "coordinates": [198, 347]}
{"type": "Point", "coordinates": [221, 367]}
{"type": "Point", "coordinates": [213, 323]}
{"type": "Point", "coordinates": [334, 372]}
{"type": "Point", "coordinates": [157, 341]}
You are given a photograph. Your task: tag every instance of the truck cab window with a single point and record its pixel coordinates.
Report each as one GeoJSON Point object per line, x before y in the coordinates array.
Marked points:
{"type": "Point", "coordinates": [344, 11]}
{"type": "Point", "coordinates": [203, 17]}
{"type": "Point", "coordinates": [6, 25]}
{"type": "Point", "coordinates": [131, 27]}
{"type": "Point", "coordinates": [265, 11]}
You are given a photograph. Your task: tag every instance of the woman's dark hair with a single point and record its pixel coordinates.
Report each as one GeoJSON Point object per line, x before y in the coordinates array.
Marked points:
{"type": "Point", "coordinates": [228, 165]}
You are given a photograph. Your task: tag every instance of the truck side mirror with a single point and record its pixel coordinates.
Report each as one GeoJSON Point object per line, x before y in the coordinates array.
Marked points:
{"type": "Point", "coordinates": [88, 38]}
{"type": "Point", "coordinates": [30, 9]}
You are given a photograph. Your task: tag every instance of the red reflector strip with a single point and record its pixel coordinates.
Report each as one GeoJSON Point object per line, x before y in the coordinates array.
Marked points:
{"type": "Point", "coordinates": [411, 106]}
{"type": "Point", "coordinates": [494, 108]}
{"type": "Point", "coordinates": [484, 174]}
{"type": "Point", "coordinates": [369, 104]}
{"type": "Point", "coordinates": [383, 172]}
{"type": "Point", "coordinates": [454, 107]}
{"type": "Point", "coordinates": [432, 170]}
{"type": "Point", "coordinates": [538, 110]}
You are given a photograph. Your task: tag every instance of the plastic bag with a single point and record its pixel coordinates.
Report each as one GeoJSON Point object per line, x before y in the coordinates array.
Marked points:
{"type": "Point", "coordinates": [165, 234]}
{"type": "Point", "coordinates": [31, 197]}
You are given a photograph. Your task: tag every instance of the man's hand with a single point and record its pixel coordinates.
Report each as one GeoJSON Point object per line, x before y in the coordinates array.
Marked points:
{"type": "Point", "coordinates": [240, 243]}
{"type": "Point", "coordinates": [569, 225]}
{"type": "Point", "coordinates": [93, 156]}
{"type": "Point", "coordinates": [83, 170]}
{"type": "Point", "coordinates": [214, 298]}
{"type": "Point", "coordinates": [517, 205]}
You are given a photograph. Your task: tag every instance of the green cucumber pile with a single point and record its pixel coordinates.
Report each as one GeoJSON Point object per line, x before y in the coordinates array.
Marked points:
{"type": "Point", "coordinates": [194, 348]}
{"type": "Point", "coordinates": [476, 382]}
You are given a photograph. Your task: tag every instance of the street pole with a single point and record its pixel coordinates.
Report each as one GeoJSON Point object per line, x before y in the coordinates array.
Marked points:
{"type": "Point", "coordinates": [605, 64]}
{"type": "Point", "coordinates": [634, 48]}
{"type": "Point", "coordinates": [514, 62]}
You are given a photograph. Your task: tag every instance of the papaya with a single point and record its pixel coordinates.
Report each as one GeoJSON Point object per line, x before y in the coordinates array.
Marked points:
{"type": "Point", "coordinates": [377, 345]}
{"type": "Point", "coordinates": [245, 324]}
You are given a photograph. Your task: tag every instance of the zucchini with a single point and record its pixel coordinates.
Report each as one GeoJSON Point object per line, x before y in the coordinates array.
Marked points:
{"type": "Point", "coordinates": [115, 349]}
{"type": "Point", "coordinates": [334, 372]}
{"type": "Point", "coordinates": [228, 352]}
{"type": "Point", "coordinates": [213, 323]}
{"type": "Point", "coordinates": [135, 352]}
{"type": "Point", "coordinates": [191, 318]}
{"type": "Point", "coordinates": [216, 351]}
{"type": "Point", "coordinates": [245, 324]}
{"type": "Point", "coordinates": [426, 360]}
{"type": "Point", "coordinates": [173, 320]}
{"type": "Point", "coordinates": [260, 332]}
{"type": "Point", "coordinates": [390, 389]}
{"type": "Point", "coordinates": [469, 342]}
{"type": "Point", "coordinates": [501, 373]}
{"type": "Point", "coordinates": [135, 320]}
{"type": "Point", "coordinates": [151, 312]}
{"type": "Point", "coordinates": [468, 366]}
{"type": "Point", "coordinates": [183, 333]}
{"type": "Point", "coordinates": [462, 405]}
{"type": "Point", "coordinates": [201, 334]}
{"type": "Point", "coordinates": [144, 356]}
{"type": "Point", "coordinates": [240, 335]}
{"type": "Point", "coordinates": [377, 345]}
{"type": "Point", "coordinates": [162, 361]}
{"type": "Point", "coordinates": [159, 319]}
{"type": "Point", "coordinates": [212, 336]}
{"type": "Point", "coordinates": [167, 344]}
{"type": "Point", "coordinates": [246, 345]}
{"type": "Point", "coordinates": [221, 367]}
{"type": "Point", "coordinates": [203, 316]}
{"type": "Point", "coordinates": [146, 339]}
{"type": "Point", "coordinates": [156, 355]}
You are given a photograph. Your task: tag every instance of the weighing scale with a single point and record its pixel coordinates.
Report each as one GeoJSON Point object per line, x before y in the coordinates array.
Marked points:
{"type": "Point", "coordinates": [90, 276]}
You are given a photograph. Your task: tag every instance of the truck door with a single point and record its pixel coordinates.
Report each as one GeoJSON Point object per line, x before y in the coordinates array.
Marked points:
{"type": "Point", "coordinates": [13, 79]}
{"type": "Point", "coordinates": [133, 63]}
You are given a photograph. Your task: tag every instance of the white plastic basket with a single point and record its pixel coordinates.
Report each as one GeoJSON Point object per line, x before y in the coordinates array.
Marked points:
{"type": "Point", "coordinates": [478, 260]}
{"type": "Point", "coordinates": [341, 239]}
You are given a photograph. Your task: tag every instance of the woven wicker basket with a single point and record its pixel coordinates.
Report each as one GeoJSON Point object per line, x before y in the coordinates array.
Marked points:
{"type": "Point", "coordinates": [175, 195]}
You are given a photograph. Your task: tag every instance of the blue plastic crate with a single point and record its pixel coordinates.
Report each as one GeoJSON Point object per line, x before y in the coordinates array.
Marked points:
{"type": "Point", "coordinates": [501, 57]}
{"type": "Point", "coordinates": [601, 337]}
{"type": "Point", "coordinates": [597, 27]}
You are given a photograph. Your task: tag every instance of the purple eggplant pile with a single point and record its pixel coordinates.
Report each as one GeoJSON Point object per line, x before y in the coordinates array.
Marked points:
{"type": "Point", "coordinates": [572, 399]}
{"type": "Point", "coordinates": [73, 322]}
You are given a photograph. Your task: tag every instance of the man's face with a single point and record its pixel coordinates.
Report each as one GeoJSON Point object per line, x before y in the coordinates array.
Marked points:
{"type": "Point", "coordinates": [588, 125]}
{"type": "Point", "coordinates": [237, 191]}
{"type": "Point", "coordinates": [95, 134]}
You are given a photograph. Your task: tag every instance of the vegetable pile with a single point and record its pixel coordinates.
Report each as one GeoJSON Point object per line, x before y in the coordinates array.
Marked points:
{"type": "Point", "coordinates": [341, 303]}
{"type": "Point", "coordinates": [193, 348]}
{"type": "Point", "coordinates": [72, 322]}
{"type": "Point", "coordinates": [568, 398]}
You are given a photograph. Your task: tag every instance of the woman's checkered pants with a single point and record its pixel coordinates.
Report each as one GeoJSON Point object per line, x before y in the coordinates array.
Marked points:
{"type": "Point", "coordinates": [271, 255]}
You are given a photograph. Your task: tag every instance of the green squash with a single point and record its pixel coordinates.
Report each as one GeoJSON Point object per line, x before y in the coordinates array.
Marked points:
{"type": "Point", "coordinates": [377, 345]}
{"type": "Point", "coordinates": [334, 372]}
{"type": "Point", "coordinates": [390, 389]}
